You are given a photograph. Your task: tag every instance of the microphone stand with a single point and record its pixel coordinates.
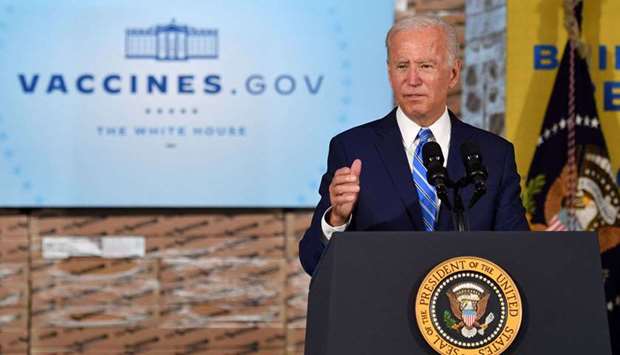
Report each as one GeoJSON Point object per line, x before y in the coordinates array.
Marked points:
{"type": "Point", "coordinates": [459, 219]}
{"type": "Point", "coordinates": [458, 213]}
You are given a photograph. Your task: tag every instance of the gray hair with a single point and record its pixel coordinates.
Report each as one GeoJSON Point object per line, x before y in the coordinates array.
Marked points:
{"type": "Point", "coordinates": [424, 21]}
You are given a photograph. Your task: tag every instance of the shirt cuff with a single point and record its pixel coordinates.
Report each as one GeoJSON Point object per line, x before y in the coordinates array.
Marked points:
{"type": "Point", "coordinates": [329, 230]}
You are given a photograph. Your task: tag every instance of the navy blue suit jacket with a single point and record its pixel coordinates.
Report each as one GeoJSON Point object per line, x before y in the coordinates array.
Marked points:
{"type": "Point", "coordinates": [388, 200]}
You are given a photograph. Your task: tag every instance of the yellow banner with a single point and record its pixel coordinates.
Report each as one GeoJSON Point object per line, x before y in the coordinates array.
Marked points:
{"type": "Point", "coordinates": [535, 42]}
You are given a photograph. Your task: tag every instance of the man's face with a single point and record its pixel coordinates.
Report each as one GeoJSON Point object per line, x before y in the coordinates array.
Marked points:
{"type": "Point", "coordinates": [419, 72]}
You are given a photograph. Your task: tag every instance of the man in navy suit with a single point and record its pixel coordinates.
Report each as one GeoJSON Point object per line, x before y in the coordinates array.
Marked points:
{"type": "Point", "coordinates": [373, 179]}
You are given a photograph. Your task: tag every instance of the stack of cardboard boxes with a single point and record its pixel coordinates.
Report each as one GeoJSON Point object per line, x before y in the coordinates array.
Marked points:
{"type": "Point", "coordinates": [297, 284]}
{"type": "Point", "coordinates": [207, 284]}
{"type": "Point", "coordinates": [14, 288]}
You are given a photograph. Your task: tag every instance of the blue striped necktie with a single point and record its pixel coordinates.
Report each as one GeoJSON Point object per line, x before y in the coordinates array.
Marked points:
{"type": "Point", "coordinates": [426, 193]}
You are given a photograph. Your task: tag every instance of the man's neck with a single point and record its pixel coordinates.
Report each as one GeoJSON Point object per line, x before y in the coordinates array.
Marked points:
{"type": "Point", "coordinates": [425, 121]}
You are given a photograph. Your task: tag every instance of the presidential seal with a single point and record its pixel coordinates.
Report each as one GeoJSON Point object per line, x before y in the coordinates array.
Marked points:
{"type": "Point", "coordinates": [468, 305]}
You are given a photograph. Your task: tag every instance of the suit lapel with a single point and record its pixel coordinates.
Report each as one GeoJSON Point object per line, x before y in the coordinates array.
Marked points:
{"type": "Point", "coordinates": [392, 152]}
{"type": "Point", "coordinates": [458, 134]}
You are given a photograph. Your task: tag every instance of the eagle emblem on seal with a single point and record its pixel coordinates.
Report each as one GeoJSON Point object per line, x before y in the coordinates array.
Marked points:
{"type": "Point", "coordinates": [468, 303]}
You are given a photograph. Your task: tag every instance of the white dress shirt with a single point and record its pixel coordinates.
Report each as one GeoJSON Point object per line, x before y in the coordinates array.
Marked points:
{"type": "Point", "coordinates": [409, 130]}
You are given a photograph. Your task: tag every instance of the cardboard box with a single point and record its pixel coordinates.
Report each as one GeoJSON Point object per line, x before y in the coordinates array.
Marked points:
{"type": "Point", "coordinates": [14, 249]}
{"type": "Point", "coordinates": [13, 225]}
{"type": "Point", "coordinates": [170, 224]}
{"type": "Point", "coordinates": [210, 290]}
{"type": "Point", "coordinates": [199, 246]}
{"type": "Point", "coordinates": [14, 341]}
{"type": "Point", "coordinates": [297, 285]}
{"type": "Point", "coordinates": [13, 285]}
{"type": "Point", "coordinates": [13, 329]}
{"type": "Point", "coordinates": [143, 339]}
{"type": "Point", "coordinates": [14, 308]}
{"type": "Point", "coordinates": [195, 351]}
{"type": "Point", "coordinates": [296, 225]}
{"type": "Point", "coordinates": [94, 292]}
{"type": "Point", "coordinates": [212, 284]}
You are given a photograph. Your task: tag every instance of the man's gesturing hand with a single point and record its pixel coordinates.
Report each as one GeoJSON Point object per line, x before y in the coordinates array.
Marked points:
{"type": "Point", "coordinates": [343, 192]}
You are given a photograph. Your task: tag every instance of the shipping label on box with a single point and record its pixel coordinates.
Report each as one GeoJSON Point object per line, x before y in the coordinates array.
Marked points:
{"type": "Point", "coordinates": [63, 247]}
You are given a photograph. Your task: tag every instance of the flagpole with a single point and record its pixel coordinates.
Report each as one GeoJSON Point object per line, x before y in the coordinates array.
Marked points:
{"type": "Point", "coordinates": [572, 28]}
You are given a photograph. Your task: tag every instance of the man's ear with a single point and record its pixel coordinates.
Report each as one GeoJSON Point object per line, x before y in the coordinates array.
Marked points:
{"type": "Point", "coordinates": [455, 73]}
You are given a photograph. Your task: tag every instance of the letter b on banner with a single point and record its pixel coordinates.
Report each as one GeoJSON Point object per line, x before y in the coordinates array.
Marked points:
{"type": "Point", "coordinates": [545, 57]}
{"type": "Point", "coordinates": [612, 96]}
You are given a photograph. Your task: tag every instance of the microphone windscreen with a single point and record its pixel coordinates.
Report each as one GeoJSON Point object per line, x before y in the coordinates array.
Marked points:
{"type": "Point", "coordinates": [431, 152]}
{"type": "Point", "coordinates": [470, 153]}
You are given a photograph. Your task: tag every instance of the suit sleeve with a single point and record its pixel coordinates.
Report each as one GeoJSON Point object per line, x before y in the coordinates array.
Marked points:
{"type": "Point", "coordinates": [510, 213]}
{"type": "Point", "coordinates": [313, 242]}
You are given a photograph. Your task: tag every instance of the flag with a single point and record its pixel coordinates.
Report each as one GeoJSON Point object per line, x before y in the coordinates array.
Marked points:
{"type": "Point", "coordinates": [570, 184]}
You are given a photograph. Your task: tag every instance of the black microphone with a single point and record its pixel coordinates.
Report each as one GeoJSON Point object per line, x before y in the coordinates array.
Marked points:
{"type": "Point", "coordinates": [475, 170]}
{"type": "Point", "coordinates": [436, 173]}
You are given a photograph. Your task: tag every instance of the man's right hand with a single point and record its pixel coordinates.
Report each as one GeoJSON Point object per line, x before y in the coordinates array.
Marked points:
{"type": "Point", "coordinates": [343, 192]}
